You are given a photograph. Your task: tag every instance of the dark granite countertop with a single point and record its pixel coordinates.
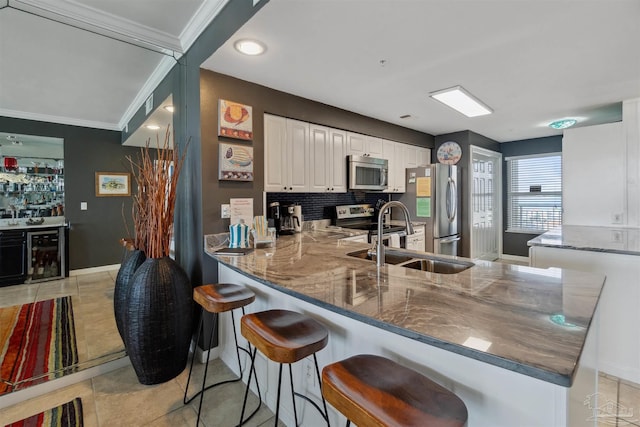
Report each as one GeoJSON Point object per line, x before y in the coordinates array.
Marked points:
{"type": "Point", "coordinates": [588, 238]}
{"type": "Point", "coordinates": [497, 313]}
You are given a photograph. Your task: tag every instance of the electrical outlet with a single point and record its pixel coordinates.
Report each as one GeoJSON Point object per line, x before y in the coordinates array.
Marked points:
{"type": "Point", "coordinates": [83, 206]}
{"type": "Point", "coordinates": [225, 211]}
{"type": "Point", "coordinates": [616, 236]}
{"type": "Point", "coordinates": [616, 218]}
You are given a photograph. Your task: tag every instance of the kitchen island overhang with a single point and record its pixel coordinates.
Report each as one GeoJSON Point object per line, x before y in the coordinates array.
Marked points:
{"type": "Point", "coordinates": [456, 313]}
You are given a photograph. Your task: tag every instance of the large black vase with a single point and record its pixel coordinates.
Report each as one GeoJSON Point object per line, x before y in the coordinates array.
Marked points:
{"type": "Point", "coordinates": [158, 318]}
{"type": "Point", "coordinates": [132, 261]}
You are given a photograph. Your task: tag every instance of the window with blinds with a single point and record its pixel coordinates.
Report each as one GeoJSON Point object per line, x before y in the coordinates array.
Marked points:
{"type": "Point", "coordinates": [534, 199]}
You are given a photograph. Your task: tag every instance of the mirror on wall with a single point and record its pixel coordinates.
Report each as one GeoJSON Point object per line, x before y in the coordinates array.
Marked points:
{"type": "Point", "coordinates": [31, 176]}
{"type": "Point", "coordinates": [50, 327]}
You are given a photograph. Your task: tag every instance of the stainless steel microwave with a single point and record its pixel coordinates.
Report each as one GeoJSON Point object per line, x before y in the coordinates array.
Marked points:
{"type": "Point", "coordinates": [367, 173]}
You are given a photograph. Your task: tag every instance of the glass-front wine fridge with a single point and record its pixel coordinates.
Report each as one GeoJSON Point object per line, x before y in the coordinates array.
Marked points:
{"type": "Point", "coordinates": [45, 253]}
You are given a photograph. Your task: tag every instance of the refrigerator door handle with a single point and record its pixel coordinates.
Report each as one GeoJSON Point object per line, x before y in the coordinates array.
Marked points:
{"type": "Point", "coordinates": [450, 239]}
{"type": "Point", "coordinates": [451, 199]}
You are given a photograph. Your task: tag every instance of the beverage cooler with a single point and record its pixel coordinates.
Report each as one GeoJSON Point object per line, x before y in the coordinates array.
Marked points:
{"type": "Point", "coordinates": [46, 255]}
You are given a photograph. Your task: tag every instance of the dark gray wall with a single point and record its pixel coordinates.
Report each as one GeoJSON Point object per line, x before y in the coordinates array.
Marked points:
{"type": "Point", "coordinates": [516, 243]}
{"type": "Point", "coordinates": [465, 139]}
{"type": "Point", "coordinates": [94, 233]}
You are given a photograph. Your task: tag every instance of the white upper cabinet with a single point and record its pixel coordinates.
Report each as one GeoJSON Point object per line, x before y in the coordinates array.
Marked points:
{"type": "Point", "coordinates": [394, 152]}
{"type": "Point", "coordinates": [286, 148]}
{"type": "Point", "coordinates": [338, 161]}
{"type": "Point", "coordinates": [275, 155]}
{"type": "Point", "coordinates": [327, 168]}
{"type": "Point", "coordinates": [320, 160]}
{"type": "Point", "coordinates": [410, 156]}
{"type": "Point", "coordinates": [298, 160]}
{"type": "Point", "coordinates": [303, 157]}
{"type": "Point", "coordinates": [363, 145]}
{"type": "Point", "coordinates": [424, 156]}
{"type": "Point", "coordinates": [374, 146]}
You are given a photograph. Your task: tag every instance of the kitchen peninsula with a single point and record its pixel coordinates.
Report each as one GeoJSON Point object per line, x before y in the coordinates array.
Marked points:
{"type": "Point", "coordinates": [511, 341]}
{"type": "Point", "coordinates": [615, 252]}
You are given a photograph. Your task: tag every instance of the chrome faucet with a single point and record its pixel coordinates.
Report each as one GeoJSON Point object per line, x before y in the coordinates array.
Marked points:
{"type": "Point", "coordinates": [407, 220]}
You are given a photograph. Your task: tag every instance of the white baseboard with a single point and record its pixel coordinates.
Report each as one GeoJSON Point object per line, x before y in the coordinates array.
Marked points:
{"type": "Point", "coordinates": [201, 355]}
{"type": "Point", "coordinates": [515, 258]}
{"type": "Point", "coordinates": [92, 270]}
{"type": "Point", "coordinates": [66, 380]}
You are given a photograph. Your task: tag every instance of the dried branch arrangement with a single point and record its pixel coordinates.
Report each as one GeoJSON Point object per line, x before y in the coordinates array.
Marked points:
{"type": "Point", "coordinates": [153, 205]}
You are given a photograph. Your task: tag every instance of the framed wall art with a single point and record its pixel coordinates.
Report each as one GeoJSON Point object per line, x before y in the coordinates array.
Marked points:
{"type": "Point", "coordinates": [235, 163]}
{"type": "Point", "coordinates": [113, 184]}
{"type": "Point", "coordinates": [235, 120]}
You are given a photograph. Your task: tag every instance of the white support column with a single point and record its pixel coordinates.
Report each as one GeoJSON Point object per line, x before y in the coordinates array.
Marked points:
{"type": "Point", "coordinates": [631, 129]}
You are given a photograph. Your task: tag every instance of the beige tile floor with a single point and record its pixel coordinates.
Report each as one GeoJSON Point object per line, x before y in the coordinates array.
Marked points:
{"type": "Point", "coordinates": [97, 337]}
{"type": "Point", "coordinates": [117, 399]}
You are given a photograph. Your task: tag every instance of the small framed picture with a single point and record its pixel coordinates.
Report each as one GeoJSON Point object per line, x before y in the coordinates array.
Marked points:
{"type": "Point", "coordinates": [235, 163]}
{"type": "Point", "coordinates": [235, 120]}
{"type": "Point", "coordinates": [113, 184]}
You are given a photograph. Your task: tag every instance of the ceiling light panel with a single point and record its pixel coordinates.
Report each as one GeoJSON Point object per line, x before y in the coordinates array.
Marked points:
{"type": "Point", "coordinates": [462, 101]}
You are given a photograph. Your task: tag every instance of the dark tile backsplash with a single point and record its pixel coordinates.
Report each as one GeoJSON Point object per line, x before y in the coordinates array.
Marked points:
{"type": "Point", "coordinates": [320, 205]}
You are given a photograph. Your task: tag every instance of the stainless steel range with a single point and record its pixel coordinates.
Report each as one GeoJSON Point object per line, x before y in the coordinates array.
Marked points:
{"type": "Point", "coordinates": [363, 217]}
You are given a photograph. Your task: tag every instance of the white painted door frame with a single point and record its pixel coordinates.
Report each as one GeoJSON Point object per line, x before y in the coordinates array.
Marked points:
{"type": "Point", "coordinates": [497, 189]}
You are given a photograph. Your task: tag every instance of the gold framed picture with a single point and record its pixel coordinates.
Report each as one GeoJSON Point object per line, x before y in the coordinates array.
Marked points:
{"type": "Point", "coordinates": [113, 184]}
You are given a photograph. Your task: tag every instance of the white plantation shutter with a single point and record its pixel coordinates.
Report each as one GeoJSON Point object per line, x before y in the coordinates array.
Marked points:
{"type": "Point", "coordinates": [534, 199]}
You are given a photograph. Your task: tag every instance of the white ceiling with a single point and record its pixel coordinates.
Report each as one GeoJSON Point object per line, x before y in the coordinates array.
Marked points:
{"type": "Point", "coordinates": [531, 61]}
{"type": "Point", "coordinates": [91, 62]}
{"type": "Point", "coordinates": [94, 62]}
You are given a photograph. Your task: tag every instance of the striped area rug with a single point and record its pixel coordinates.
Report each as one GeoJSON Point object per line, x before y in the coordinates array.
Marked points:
{"type": "Point", "coordinates": [37, 343]}
{"type": "Point", "coordinates": [67, 415]}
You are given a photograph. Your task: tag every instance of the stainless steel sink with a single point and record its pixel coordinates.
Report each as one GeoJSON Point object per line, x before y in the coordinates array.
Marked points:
{"type": "Point", "coordinates": [417, 261]}
{"type": "Point", "coordinates": [438, 266]}
{"type": "Point", "coordinates": [388, 258]}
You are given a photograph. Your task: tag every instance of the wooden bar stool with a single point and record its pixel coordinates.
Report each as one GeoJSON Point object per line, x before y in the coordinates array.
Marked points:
{"type": "Point", "coordinates": [375, 391]}
{"type": "Point", "coordinates": [284, 337]}
{"type": "Point", "coordinates": [218, 298]}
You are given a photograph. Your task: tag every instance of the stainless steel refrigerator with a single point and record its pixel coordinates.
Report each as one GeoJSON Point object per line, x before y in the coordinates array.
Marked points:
{"type": "Point", "coordinates": [433, 197]}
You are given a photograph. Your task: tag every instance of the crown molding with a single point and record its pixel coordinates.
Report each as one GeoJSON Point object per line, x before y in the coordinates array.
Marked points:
{"type": "Point", "coordinates": [58, 119]}
{"type": "Point", "coordinates": [200, 21]}
{"type": "Point", "coordinates": [88, 18]}
{"type": "Point", "coordinates": [161, 71]}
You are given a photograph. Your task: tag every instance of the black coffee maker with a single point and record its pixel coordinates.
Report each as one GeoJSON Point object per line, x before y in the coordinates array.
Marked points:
{"type": "Point", "coordinates": [274, 216]}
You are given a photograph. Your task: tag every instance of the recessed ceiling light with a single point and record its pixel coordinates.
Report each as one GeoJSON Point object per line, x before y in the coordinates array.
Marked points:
{"type": "Point", "coordinates": [249, 47]}
{"type": "Point", "coordinates": [462, 101]}
{"type": "Point", "coordinates": [563, 124]}
{"type": "Point", "coordinates": [152, 127]}
{"type": "Point", "coordinates": [169, 108]}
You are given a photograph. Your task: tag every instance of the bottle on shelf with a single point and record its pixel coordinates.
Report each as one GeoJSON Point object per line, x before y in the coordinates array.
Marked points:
{"type": "Point", "coordinates": [40, 269]}
{"type": "Point", "coordinates": [46, 272]}
{"type": "Point", "coordinates": [54, 267]}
